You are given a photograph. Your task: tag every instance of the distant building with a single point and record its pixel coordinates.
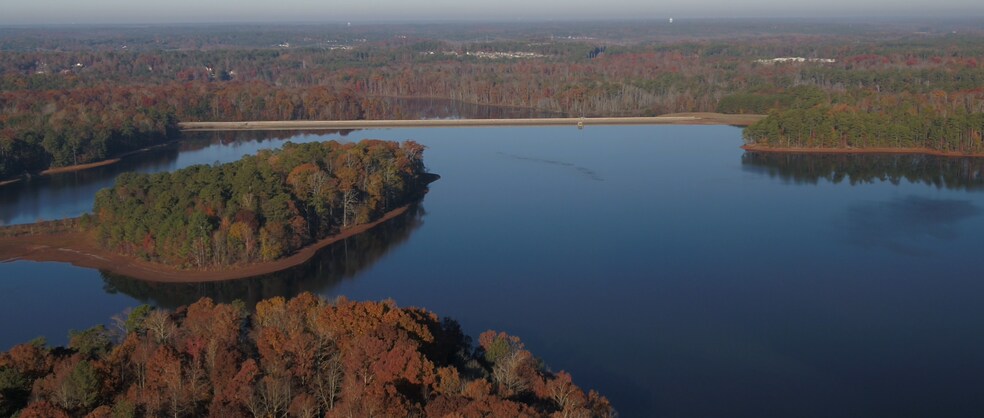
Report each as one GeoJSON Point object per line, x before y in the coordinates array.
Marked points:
{"type": "Point", "coordinates": [671, 20]}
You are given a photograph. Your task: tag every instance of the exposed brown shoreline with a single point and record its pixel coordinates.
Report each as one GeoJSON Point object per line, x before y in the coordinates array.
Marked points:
{"type": "Point", "coordinates": [670, 119]}
{"type": "Point", "coordinates": [86, 166]}
{"type": "Point", "coordinates": [80, 249]}
{"type": "Point", "coordinates": [79, 167]}
{"type": "Point", "coordinates": [910, 151]}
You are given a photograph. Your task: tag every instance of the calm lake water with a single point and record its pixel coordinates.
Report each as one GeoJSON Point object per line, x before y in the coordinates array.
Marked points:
{"type": "Point", "coordinates": [660, 265]}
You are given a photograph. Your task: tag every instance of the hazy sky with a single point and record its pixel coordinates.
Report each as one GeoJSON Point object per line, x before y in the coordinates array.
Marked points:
{"type": "Point", "coordinates": [14, 12]}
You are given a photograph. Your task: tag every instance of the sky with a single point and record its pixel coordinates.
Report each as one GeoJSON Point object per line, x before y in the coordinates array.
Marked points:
{"type": "Point", "coordinates": [30, 12]}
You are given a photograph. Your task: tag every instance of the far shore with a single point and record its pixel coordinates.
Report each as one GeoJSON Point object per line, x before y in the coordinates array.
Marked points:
{"type": "Point", "coordinates": [696, 118]}
{"type": "Point", "coordinates": [86, 166]}
{"type": "Point", "coordinates": [80, 249]}
{"type": "Point", "coordinates": [670, 119]}
{"type": "Point", "coordinates": [909, 151]}
{"type": "Point", "coordinates": [79, 167]}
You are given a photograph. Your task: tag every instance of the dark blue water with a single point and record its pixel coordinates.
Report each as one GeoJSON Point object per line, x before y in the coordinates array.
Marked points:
{"type": "Point", "coordinates": [660, 265]}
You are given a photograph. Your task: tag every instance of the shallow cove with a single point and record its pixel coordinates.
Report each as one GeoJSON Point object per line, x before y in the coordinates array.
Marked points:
{"type": "Point", "coordinates": [661, 265]}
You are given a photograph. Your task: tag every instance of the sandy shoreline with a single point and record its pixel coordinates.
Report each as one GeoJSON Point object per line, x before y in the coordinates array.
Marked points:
{"type": "Point", "coordinates": [671, 119]}
{"type": "Point", "coordinates": [910, 151]}
{"type": "Point", "coordinates": [80, 249]}
{"type": "Point", "coordinates": [79, 167]}
{"type": "Point", "coordinates": [86, 166]}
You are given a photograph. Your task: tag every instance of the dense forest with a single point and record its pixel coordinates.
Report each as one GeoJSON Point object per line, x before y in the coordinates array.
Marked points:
{"type": "Point", "coordinates": [940, 121]}
{"type": "Point", "coordinates": [76, 95]}
{"type": "Point", "coordinates": [76, 126]}
{"type": "Point", "coordinates": [259, 208]}
{"type": "Point", "coordinates": [303, 357]}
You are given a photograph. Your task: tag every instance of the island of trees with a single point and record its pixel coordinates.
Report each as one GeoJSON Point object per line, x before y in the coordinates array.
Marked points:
{"type": "Point", "coordinates": [303, 357]}
{"type": "Point", "coordinates": [260, 208]}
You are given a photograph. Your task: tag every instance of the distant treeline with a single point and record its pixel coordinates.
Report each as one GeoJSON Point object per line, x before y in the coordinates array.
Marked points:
{"type": "Point", "coordinates": [72, 106]}
{"type": "Point", "coordinates": [938, 121]}
{"type": "Point", "coordinates": [39, 130]}
{"type": "Point", "coordinates": [259, 208]}
{"type": "Point", "coordinates": [303, 357]}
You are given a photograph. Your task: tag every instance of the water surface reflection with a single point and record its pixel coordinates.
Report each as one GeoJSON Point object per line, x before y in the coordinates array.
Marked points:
{"type": "Point", "coordinates": [910, 225]}
{"type": "Point", "coordinates": [332, 265]}
{"type": "Point", "coordinates": [946, 172]}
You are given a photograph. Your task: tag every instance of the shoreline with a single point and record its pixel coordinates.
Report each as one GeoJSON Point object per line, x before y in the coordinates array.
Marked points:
{"type": "Point", "coordinates": [696, 118]}
{"type": "Point", "coordinates": [906, 151]}
{"type": "Point", "coordinates": [79, 167]}
{"type": "Point", "coordinates": [669, 119]}
{"type": "Point", "coordinates": [86, 166]}
{"type": "Point", "coordinates": [11, 181]}
{"type": "Point", "coordinates": [79, 248]}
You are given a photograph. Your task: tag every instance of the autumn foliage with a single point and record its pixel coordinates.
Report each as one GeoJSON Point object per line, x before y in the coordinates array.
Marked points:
{"type": "Point", "coordinates": [939, 121]}
{"type": "Point", "coordinates": [259, 208]}
{"type": "Point", "coordinates": [76, 98]}
{"type": "Point", "coordinates": [302, 357]}
{"type": "Point", "coordinates": [76, 126]}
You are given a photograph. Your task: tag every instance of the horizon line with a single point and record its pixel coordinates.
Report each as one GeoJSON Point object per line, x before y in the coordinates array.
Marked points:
{"type": "Point", "coordinates": [529, 20]}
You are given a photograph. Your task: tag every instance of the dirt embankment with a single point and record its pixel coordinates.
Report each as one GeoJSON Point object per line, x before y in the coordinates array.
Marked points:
{"type": "Point", "coordinates": [672, 119]}
{"type": "Point", "coordinates": [86, 166]}
{"type": "Point", "coordinates": [79, 167]}
{"type": "Point", "coordinates": [71, 245]}
{"type": "Point", "coordinates": [801, 150]}
{"type": "Point", "coordinates": [706, 118]}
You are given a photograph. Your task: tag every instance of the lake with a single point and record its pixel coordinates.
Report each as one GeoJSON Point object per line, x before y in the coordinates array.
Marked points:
{"type": "Point", "coordinates": [661, 265]}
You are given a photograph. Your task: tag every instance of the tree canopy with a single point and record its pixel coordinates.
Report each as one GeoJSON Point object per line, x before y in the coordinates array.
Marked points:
{"type": "Point", "coordinates": [259, 208]}
{"type": "Point", "coordinates": [303, 357]}
{"type": "Point", "coordinates": [68, 100]}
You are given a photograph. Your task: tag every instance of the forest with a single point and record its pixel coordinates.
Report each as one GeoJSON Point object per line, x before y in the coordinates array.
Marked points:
{"type": "Point", "coordinates": [76, 96]}
{"type": "Point", "coordinates": [259, 208]}
{"type": "Point", "coordinates": [333, 265]}
{"type": "Point", "coordinates": [940, 121]}
{"type": "Point", "coordinates": [302, 357]}
{"type": "Point", "coordinates": [46, 129]}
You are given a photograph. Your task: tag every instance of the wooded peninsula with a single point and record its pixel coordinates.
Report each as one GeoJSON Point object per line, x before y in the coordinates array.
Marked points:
{"type": "Point", "coordinates": [303, 357]}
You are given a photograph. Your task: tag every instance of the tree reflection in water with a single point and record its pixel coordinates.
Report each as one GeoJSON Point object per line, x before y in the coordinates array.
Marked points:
{"type": "Point", "coordinates": [957, 173]}
{"type": "Point", "coordinates": [332, 265]}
